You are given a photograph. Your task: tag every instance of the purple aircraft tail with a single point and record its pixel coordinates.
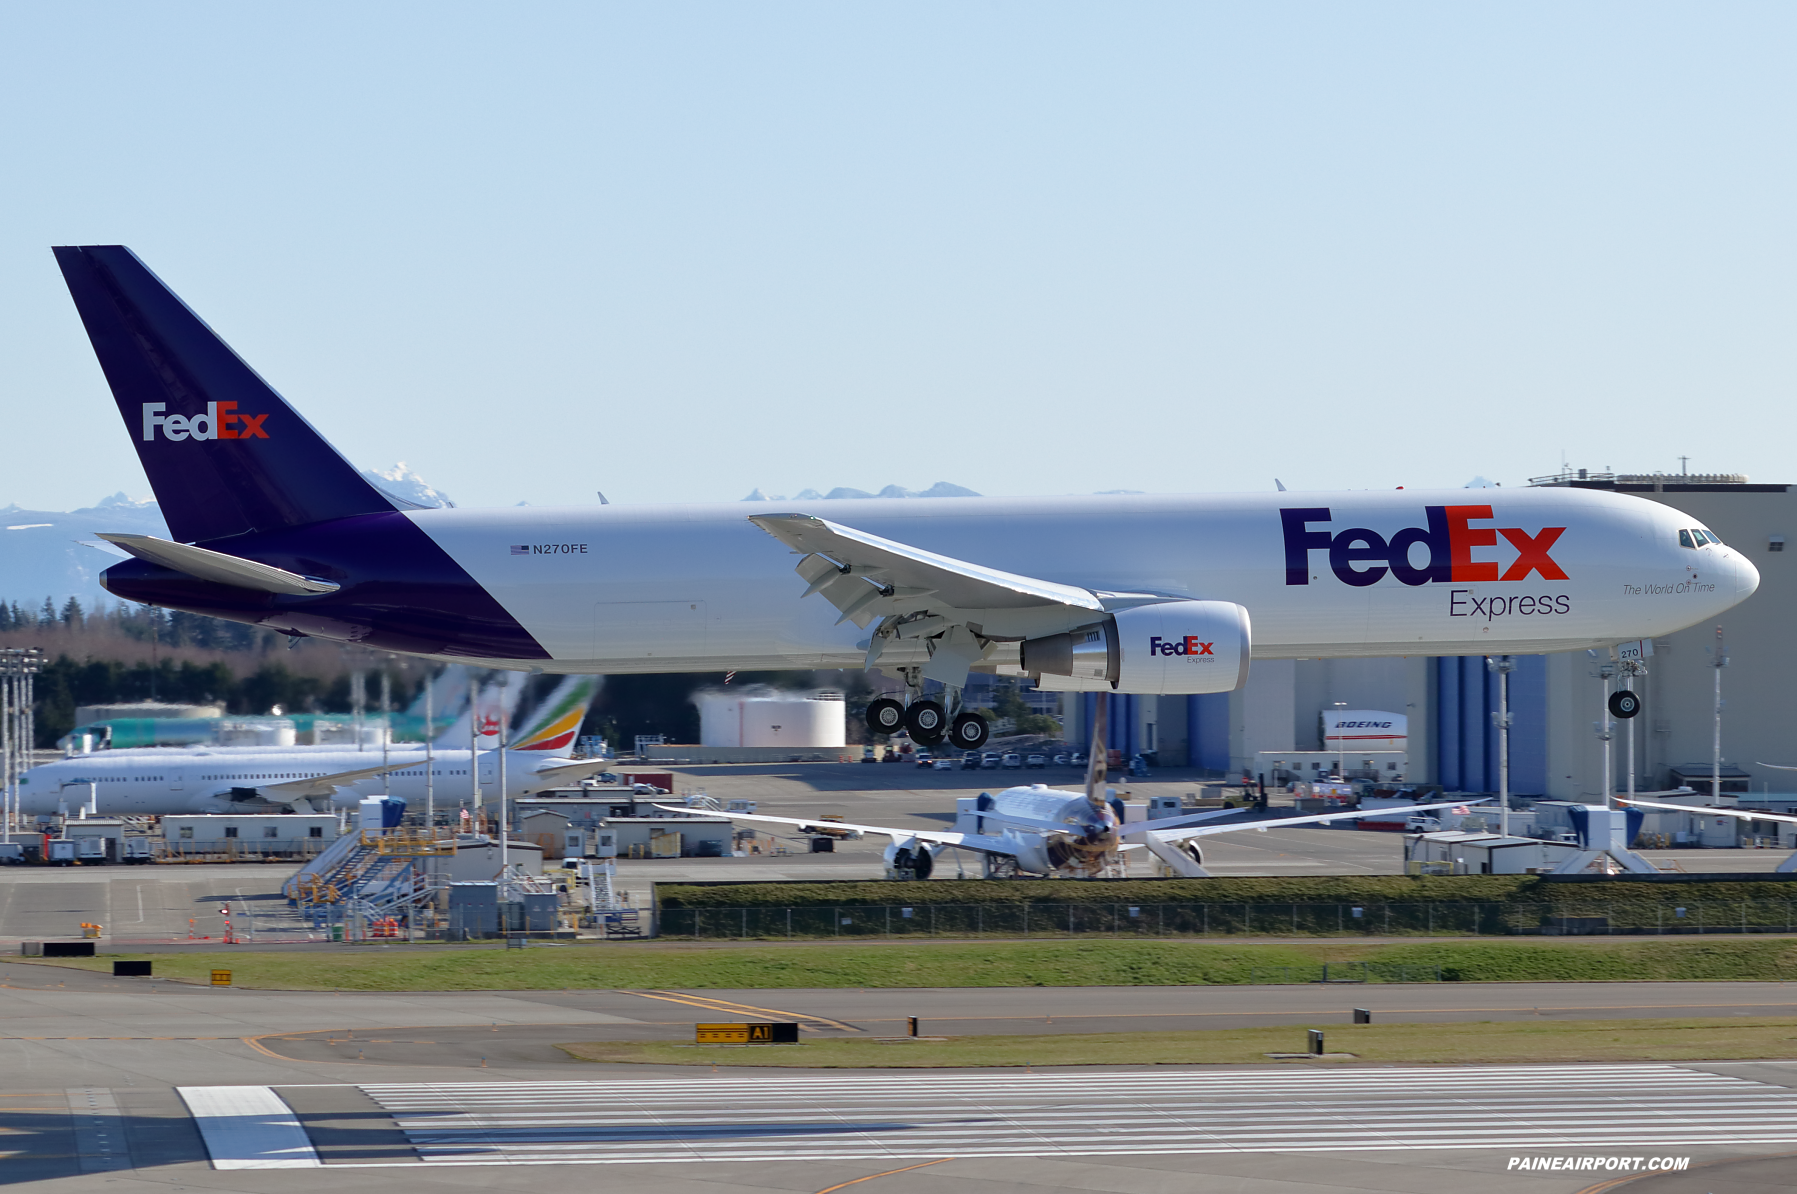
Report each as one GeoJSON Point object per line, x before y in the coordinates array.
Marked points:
{"type": "Point", "coordinates": [224, 452]}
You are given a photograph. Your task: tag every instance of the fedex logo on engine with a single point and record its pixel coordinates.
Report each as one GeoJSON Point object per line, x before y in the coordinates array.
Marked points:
{"type": "Point", "coordinates": [221, 421]}
{"type": "Point", "coordinates": [1362, 557]}
{"type": "Point", "coordinates": [1188, 645]}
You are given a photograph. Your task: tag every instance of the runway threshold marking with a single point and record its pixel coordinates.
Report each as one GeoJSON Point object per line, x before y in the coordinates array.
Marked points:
{"type": "Point", "coordinates": [704, 1003]}
{"type": "Point", "coordinates": [249, 1127]}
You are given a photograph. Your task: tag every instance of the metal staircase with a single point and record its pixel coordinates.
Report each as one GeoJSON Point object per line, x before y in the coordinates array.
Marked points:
{"type": "Point", "coordinates": [369, 867]}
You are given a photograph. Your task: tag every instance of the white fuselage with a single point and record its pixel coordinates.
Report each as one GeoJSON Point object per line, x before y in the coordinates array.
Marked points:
{"type": "Point", "coordinates": [693, 588]}
{"type": "Point", "coordinates": [156, 781]}
{"type": "Point", "coordinates": [1086, 837]}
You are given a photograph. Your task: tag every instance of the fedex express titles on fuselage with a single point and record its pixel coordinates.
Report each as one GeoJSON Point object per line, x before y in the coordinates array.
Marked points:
{"type": "Point", "coordinates": [1347, 575]}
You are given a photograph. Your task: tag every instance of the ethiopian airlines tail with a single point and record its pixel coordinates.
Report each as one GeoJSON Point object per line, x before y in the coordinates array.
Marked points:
{"type": "Point", "coordinates": [557, 721]}
{"type": "Point", "coordinates": [175, 380]}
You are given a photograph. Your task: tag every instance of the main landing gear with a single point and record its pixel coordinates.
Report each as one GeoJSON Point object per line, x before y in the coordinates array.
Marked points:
{"type": "Point", "coordinates": [928, 722]}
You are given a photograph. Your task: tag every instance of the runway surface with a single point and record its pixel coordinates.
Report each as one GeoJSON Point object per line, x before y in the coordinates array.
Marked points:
{"type": "Point", "coordinates": [90, 1069]}
{"type": "Point", "coordinates": [908, 1118]}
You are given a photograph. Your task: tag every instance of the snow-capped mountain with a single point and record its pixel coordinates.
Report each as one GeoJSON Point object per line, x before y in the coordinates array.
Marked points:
{"type": "Point", "coordinates": [939, 489]}
{"type": "Point", "coordinates": [401, 482]}
{"type": "Point", "coordinates": [44, 553]}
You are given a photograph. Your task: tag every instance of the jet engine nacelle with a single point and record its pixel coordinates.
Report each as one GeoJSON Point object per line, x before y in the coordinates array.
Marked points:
{"type": "Point", "coordinates": [1167, 648]}
{"type": "Point", "coordinates": [1035, 853]}
{"type": "Point", "coordinates": [911, 856]}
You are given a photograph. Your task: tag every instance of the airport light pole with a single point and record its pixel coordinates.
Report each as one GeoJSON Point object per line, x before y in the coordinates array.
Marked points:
{"type": "Point", "coordinates": [504, 680]}
{"type": "Point", "coordinates": [7, 795]}
{"type": "Point", "coordinates": [386, 730]}
{"type": "Point", "coordinates": [430, 737]}
{"type": "Point", "coordinates": [475, 804]}
{"type": "Point", "coordinates": [1503, 665]}
{"type": "Point", "coordinates": [18, 666]}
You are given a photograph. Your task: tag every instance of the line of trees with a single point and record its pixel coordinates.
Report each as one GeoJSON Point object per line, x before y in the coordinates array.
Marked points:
{"type": "Point", "coordinates": [141, 623]}
{"type": "Point", "coordinates": [122, 654]}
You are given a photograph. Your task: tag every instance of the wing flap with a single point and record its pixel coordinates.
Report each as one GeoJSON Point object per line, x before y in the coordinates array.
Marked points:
{"type": "Point", "coordinates": [864, 564]}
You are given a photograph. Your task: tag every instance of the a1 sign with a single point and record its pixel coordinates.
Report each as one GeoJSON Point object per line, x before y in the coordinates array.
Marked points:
{"type": "Point", "coordinates": [1635, 650]}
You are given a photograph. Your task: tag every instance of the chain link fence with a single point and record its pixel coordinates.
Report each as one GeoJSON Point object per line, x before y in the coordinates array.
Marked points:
{"type": "Point", "coordinates": [1022, 920]}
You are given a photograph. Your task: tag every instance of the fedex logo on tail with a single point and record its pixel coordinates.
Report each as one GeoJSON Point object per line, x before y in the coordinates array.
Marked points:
{"type": "Point", "coordinates": [1362, 557]}
{"type": "Point", "coordinates": [221, 421]}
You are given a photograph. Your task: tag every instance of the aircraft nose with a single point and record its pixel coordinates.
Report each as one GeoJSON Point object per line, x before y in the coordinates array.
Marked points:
{"type": "Point", "coordinates": [1747, 577]}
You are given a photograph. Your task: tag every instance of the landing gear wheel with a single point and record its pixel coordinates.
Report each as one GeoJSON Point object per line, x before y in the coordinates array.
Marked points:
{"type": "Point", "coordinates": [969, 731]}
{"type": "Point", "coordinates": [927, 722]}
{"type": "Point", "coordinates": [1624, 704]}
{"type": "Point", "coordinates": [885, 716]}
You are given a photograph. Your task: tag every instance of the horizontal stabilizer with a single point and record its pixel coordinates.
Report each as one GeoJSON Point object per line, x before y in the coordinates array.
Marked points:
{"type": "Point", "coordinates": [218, 567]}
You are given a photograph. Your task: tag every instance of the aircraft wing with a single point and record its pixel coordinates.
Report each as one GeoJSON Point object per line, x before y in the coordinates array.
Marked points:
{"type": "Point", "coordinates": [855, 571]}
{"type": "Point", "coordinates": [1180, 835]}
{"type": "Point", "coordinates": [1165, 823]}
{"type": "Point", "coordinates": [325, 785]}
{"type": "Point", "coordinates": [984, 843]}
{"type": "Point", "coordinates": [1738, 814]}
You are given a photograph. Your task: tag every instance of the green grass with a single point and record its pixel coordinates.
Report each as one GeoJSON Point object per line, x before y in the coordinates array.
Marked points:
{"type": "Point", "coordinates": [967, 964]}
{"type": "Point", "coordinates": [1503, 1041]}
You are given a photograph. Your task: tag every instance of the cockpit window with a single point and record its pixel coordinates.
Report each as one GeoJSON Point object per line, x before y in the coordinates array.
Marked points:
{"type": "Point", "coordinates": [1684, 539]}
{"type": "Point", "coordinates": [1711, 536]}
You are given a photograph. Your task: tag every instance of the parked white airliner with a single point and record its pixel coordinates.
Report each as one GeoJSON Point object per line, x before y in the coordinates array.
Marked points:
{"type": "Point", "coordinates": [156, 781]}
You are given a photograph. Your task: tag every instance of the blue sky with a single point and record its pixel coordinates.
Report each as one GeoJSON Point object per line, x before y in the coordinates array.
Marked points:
{"type": "Point", "coordinates": [680, 251]}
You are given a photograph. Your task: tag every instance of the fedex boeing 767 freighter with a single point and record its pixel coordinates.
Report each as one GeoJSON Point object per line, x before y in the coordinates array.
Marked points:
{"type": "Point", "coordinates": [1150, 594]}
